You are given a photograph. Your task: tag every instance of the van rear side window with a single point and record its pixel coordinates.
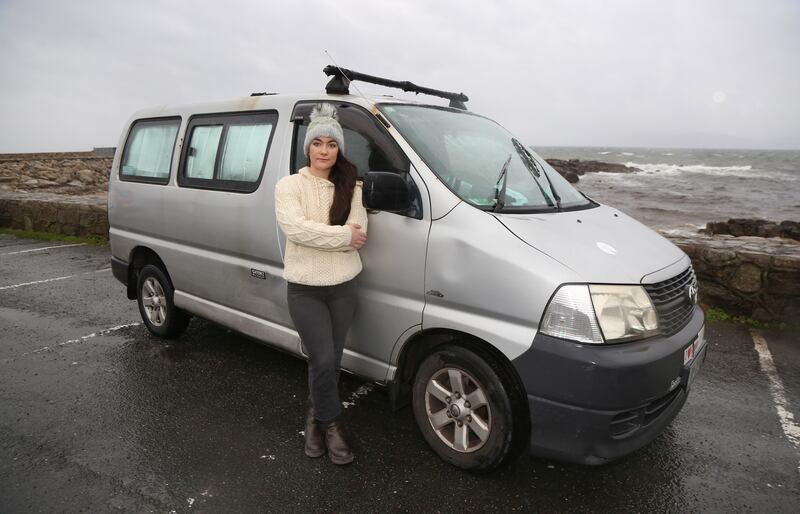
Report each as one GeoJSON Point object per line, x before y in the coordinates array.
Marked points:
{"type": "Point", "coordinates": [148, 151]}
{"type": "Point", "coordinates": [227, 152]}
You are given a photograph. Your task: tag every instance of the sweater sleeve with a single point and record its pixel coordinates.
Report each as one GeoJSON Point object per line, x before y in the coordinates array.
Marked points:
{"type": "Point", "coordinates": [358, 214]}
{"type": "Point", "coordinates": [301, 230]}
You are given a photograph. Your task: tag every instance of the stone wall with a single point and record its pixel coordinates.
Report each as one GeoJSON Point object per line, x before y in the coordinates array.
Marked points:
{"type": "Point", "coordinates": [68, 173]}
{"type": "Point", "coordinates": [752, 276]}
{"type": "Point", "coordinates": [60, 214]}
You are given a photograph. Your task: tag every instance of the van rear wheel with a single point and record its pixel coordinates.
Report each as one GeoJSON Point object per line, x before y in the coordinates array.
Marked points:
{"type": "Point", "coordinates": [465, 411]}
{"type": "Point", "coordinates": [155, 298]}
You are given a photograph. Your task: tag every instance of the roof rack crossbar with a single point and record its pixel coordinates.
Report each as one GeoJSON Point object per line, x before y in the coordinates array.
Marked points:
{"type": "Point", "coordinates": [342, 77]}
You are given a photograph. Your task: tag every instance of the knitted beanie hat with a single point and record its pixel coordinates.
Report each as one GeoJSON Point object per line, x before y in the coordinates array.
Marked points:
{"type": "Point", "coordinates": [324, 123]}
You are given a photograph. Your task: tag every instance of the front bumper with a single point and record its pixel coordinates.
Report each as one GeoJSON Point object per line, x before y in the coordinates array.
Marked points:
{"type": "Point", "coordinates": [595, 403]}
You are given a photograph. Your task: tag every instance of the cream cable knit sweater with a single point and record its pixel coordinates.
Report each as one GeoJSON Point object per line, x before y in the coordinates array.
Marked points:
{"type": "Point", "coordinates": [317, 254]}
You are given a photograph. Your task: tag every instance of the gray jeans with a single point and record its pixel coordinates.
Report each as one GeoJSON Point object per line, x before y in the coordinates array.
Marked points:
{"type": "Point", "coordinates": [322, 316]}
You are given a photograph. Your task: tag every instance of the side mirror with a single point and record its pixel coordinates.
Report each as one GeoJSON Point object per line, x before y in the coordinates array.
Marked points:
{"type": "Point", "coordinates": [386, 191]}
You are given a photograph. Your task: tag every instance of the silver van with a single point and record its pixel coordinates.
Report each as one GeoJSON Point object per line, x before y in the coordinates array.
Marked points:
{"type": "Point", "coordinates": [506, 307]}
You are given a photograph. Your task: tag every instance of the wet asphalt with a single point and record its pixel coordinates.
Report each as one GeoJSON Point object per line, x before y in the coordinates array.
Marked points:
{"type": "Point", "coordinates": [96, 415]}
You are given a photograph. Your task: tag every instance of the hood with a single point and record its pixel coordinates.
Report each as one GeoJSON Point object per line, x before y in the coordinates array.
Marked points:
{"type": "Point", "coordinates": [602, 245]}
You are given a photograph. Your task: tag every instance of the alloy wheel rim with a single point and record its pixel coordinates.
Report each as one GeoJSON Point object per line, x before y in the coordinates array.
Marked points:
{"type": "Point", "coordinates": [154, 301]}
{"type": "Point", "coordinates": [458, 410]}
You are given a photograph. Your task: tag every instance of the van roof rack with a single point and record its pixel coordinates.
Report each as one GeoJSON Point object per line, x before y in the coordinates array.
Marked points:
{"type": "Point", "coordinates": [340, 85]}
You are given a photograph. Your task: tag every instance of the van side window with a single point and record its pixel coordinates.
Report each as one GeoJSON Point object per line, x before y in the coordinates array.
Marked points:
{"type": "Point", "coordinates": [227, 152]}
{"type": "Point", "coordinates": [365, 144]}
{"type": "Point", "coordinates": [147, 156]}
{"type": "Point", "coordinates": [203, 153]}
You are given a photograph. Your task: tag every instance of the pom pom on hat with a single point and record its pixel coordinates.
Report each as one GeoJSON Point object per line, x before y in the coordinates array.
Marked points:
{"type": "Point", "coordinates": [324, 123]}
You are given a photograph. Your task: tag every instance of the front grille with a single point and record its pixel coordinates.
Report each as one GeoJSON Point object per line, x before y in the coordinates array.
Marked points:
{"type": "Point", "coordinates": [672, 303]}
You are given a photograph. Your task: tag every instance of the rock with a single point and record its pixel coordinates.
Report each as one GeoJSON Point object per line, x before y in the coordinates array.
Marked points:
{"type": "Point", "coordinates": [790, 230]}
{"type": "Point", "coordinates": [769, 229]}
{"type": "Point", "coordinates": [717, 227]}
{"type": "Point", "coordinates": [784, 282]}
{"type": "Point", "coordinates": [718, 257]}
{"type": "Point", "coordinates": [744, 226]}
{"type": "Point", "coordinates": [786, 262]}
{"type": "Point", "coordinates": [31, 182]}
{"type": "Point", "coordinates": [747, 278]}
{"type": "Point", "coordinates": [571, 177]}
{"type": "Point", "coordinates": [579, 167]}
{"type": "Point", "coordinates": [760, 259]}
{"type": "Point", "coordinates": [721, 296]}
{"type": "Point", "coordinates": [75, 183]}
{"type": "Point", "coordinates": [86, 176]}
{"type": "Point", "coordinates": [741, 227]}
{"type": "Point", "coordinates": [763, 315]}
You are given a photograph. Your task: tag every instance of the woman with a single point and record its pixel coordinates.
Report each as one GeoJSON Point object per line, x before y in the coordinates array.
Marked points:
{"type": "Point", "coordinates": [320, 211]}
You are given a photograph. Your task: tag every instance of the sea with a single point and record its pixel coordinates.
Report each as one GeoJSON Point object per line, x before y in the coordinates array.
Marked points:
{"type": "Point", "coordinates": [680, 190]}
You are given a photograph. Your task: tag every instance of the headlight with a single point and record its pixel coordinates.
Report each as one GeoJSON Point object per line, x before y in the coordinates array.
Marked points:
{"type": "Point", "coordinates": [598, 314]}
{"type": "Point", "coordinates": [624, 312]}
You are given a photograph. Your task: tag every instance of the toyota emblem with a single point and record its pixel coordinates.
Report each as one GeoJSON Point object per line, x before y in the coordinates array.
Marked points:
{"type": "Point", "coordinates": [691, 292]}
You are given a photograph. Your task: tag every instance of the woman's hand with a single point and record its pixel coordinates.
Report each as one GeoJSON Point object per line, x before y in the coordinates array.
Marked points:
{"type": "Point", "coordinates": [358, 237]}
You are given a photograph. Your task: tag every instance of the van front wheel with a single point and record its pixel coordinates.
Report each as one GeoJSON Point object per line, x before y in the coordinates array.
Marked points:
{"type": "Point", "coordinates": [464, 410]}
{"type": "Point", "coordinates": [154, 296]}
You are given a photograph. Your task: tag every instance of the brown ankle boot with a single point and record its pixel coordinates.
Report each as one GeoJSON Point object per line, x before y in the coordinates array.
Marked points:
{"type": "Point", "coordinates": [315, 441]}
{"type": "Point", "coordinates": [338, 449]}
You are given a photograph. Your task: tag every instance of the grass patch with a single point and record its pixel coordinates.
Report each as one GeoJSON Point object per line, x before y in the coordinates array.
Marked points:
{"type": "Point", "coordinates": [717, 314]}
{"type": "Point", "coordinates": [47, 236]}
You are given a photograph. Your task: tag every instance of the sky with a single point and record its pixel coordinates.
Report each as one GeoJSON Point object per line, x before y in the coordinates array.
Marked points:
{"type": "Point", "coordinates": [646, 73]}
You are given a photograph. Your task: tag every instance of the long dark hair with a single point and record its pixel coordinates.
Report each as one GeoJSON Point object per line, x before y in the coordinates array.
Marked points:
{"type": "Point", "coordinates": [343, 175]}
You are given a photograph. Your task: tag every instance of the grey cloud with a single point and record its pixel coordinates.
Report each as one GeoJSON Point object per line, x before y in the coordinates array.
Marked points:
{"type": "Point", "coordinates": [622, 72]}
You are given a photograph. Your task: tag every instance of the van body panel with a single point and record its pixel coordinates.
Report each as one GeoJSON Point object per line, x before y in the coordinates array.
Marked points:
{"type": "Point", "coordinates": [259, 328]}
{"type": "Point", "coordinates": [391, 285]}
{"type": "Point", "coordinates": [602, 245]}
{"type": "Point", "coordinates": [482, 280]}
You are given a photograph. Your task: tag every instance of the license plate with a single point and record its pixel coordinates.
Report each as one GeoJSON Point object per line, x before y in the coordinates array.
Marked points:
{"type": "Point", "coordinates": [693, 349]}
{"type": "Point", "coordinates": [694, 355]}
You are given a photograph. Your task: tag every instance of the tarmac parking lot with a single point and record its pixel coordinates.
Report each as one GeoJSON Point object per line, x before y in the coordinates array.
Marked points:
{"type": "Point", "coordinates": [97, 415]}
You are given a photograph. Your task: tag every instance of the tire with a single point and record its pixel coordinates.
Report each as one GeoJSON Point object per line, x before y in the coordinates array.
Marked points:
{"type": "Point", "coordinates": [154, 294]}
{"type": "Point", "coordinates": [454, 385]}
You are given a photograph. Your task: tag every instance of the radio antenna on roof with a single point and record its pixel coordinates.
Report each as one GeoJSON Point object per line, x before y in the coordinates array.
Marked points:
{"type": "Point", "coordinates": [339, 85]}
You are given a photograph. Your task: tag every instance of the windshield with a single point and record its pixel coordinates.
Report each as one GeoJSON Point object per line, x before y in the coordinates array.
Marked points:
{"type": "Point", "coordinates": [469, 153]}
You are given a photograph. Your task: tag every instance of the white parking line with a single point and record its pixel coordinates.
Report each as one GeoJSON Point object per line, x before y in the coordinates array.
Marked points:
{"type": "Point", "coordinates": [790, 428]}
{"type": "Point", "coordinates": [84, 338]}
{"type": "Point", "coordinates": [40, 249]}
{"type": "Point", "coordinates": [2, 288]}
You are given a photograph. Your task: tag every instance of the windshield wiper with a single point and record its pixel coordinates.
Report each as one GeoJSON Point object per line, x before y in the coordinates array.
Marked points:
{"type": "Point", "coordinates": [536, 172]}
{"type": "Point", "coordinates": [500, 193]}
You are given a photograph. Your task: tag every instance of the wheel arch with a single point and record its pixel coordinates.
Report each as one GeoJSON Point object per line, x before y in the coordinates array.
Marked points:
{"type": "Point", "coordinates": [141, 256]}
{"type": "Point", "coordinates": [423, 343]}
